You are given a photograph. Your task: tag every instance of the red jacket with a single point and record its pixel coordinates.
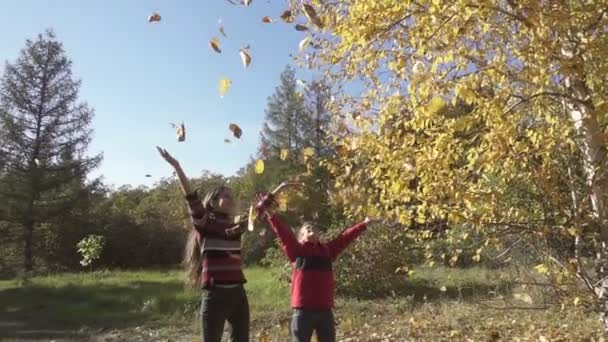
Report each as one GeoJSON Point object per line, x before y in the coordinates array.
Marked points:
{"type": "Point", "coordinates": [313, 284]}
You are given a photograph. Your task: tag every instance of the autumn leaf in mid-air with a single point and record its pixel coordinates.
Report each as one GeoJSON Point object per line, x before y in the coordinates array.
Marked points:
{"type": "Point", "coordinates": [301, 27]}
{"type": "Point", "coordinates": [284, 153]}
{"type": "Point", "coordinates": [181, 131]}
{"type": "Point", "coordinates": [221, 28]}
{"type": "Point", "coordinates": [245, 57]}
{"type": "Point", "coordinates": [154, 18]}
{"type": "Point", "coordinates": [236, 130]}
{"type": "Point", "coordinates": [259, 166]}
{"type": "Point", "coordinates": [214, 43]}
{"type": "Point", "coordinates": [224, 86]}
{"type": "Point", "coordinates": [267, 20]}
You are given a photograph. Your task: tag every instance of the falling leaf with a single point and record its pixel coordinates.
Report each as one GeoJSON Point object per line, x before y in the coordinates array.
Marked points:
{"type": "Point", "coordinates": [247, 2]}
{"type": "Point", "coordinates": [259, 166]}
{"type": "Point", "coordinates": [311, 14]}
{"type": "Point", "coordinates": [222, 31]}
{"type": "Point", "coordinates": [214, 43]}
{"type": "Point", "coordinates": [224, 86]}
{"type": "Point", "coordinates": [287, 16]}
{"type": "Point", "coordinates": [154, 18]}
{"type": "Point", "coordinates": [284, 153]}
{"type": "Point", "coordinates": [267, 20]}
{"type": "Point", "coordinates": [148, 175]}
{"type": "Point", "coordinates": [304, 43]}
{"type": "Point", "coordinates": [227, 141]}
{"type": "Point", "coordinates": [245, 58]}
{"type": "Point", "coordinates": [301, 27]}
{"type": "Point", "coordinates": [181, 133]}
{"type": "Point", "coordinates": [236, 130]}
{"type": "Point", "coordinates": [37, 161]}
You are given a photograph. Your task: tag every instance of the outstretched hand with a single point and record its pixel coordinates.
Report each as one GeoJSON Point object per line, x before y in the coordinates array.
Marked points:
{"type": "Point", "coordinates": [167, 157]}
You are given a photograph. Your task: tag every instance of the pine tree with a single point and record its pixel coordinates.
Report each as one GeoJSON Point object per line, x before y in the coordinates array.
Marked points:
{"type": "Point", "coordinates": [287, 123]}
{"type": "Point", "coordinates": [45, 133]}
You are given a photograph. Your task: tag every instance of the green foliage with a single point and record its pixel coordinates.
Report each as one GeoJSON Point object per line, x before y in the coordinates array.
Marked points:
{"type": "Point", "coordinates": [90, 248]}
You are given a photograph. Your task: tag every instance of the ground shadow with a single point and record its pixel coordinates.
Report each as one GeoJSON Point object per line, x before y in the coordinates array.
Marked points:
{"type": "Point", "coordinates": [74, 311]}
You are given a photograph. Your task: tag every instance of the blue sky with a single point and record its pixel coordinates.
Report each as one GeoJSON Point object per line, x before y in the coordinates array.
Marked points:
{"type": "Point", "coordinates": [139, 77]}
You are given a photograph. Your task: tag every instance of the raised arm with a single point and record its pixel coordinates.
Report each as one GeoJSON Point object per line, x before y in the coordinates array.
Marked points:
{"type": "Point", "coordinates": [289, 243]}
{"type": "Point", "coordinates": [183, 180]}
{"type": "Point", "coordinates": [198, 213]}
{"type": "Point", "coordinates": [345, 238]}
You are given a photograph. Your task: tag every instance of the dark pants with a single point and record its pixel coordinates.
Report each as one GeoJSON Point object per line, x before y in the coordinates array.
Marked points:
{"type": "Point", "coordinates": [225, 304]}
{"type": "Point", "coordinates": [304, 322]}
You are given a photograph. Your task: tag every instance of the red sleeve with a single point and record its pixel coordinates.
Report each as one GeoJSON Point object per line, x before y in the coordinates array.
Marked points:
{"type": "Point", "coordinates": [289, 243]}
{"type": "Point", "coordinates": [340, 242]}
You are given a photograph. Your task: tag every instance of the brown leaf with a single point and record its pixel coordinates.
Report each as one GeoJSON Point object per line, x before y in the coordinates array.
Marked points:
{"type": "Point", "coordinates": [245, 57]}
{"type": "Point", "coordinates": [267, 20]}
{"type": "Point", "coordinates": [301, 27]}
{"type": "Point", "coordinates": [236, 130]}
{"type": "Point", "coordinates": [311, 14]}
{"type": "Point", "coordinates": [287, 16]}
{"type": "Point", "coordinates": [214, 43]}
{"type": "Point", "coordinates": [181, 133]}
{"type": "Point", "coordinates": [227, 141]}
{"type": "Point", "coordinates": [154, 18]}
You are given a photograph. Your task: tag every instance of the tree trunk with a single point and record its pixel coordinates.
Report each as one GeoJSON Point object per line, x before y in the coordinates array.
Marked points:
{"type": "Point", "coordinates": [28, 241]}
{"type": "Point", "coordinates": [594, 152]}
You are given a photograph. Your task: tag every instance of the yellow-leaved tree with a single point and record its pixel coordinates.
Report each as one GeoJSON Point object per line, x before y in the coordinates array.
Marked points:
{"type": "Point", "coordinates": [487, 114]}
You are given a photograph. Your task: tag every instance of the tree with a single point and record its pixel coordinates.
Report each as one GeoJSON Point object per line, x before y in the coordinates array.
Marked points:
{"type": "Point", "coordinates": [45, 136]}
{"type": "Point", "coordinates": [288, 125]}
{"type": "Point", "coordinates": [533, 74]}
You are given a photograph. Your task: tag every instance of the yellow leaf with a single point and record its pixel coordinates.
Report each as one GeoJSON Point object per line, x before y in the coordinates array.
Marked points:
{"type": "Point", "coordinates": [259, 166]}
{"type": "Point", "coordinates": [284, 153]}
{"type": "Point", "coordinates": [577, 301]}
{"type": "Point", "coordinates": [225, 84]}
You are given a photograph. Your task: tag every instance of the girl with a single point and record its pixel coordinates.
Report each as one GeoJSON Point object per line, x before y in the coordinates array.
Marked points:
{"type": "Point", "coordinates": [312, 290]}
{"type": "Point", "coordinates": [213, 259]}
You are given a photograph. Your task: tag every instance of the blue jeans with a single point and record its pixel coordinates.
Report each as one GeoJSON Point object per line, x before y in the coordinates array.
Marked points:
{"type": "Point", "coordinates": [305, 322]}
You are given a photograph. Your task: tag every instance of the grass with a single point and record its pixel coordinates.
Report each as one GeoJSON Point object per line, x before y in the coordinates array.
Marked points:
{"type": "Point", "coordinates": [444, 304]}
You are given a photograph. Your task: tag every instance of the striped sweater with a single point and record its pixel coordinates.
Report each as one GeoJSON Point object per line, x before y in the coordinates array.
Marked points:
{"type": "Point", "coordinates": [220, 241]}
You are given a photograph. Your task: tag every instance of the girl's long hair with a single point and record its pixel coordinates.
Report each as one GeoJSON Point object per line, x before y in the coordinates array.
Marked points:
{"type": "Point", "coordinates": [192, 252]}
